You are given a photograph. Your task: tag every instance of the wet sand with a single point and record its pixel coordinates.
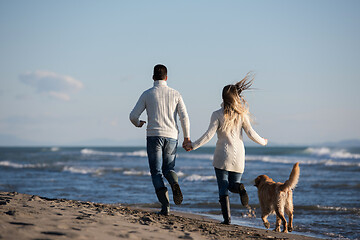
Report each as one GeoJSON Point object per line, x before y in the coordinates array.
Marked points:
{"type": "Point", "coordinates": [25, 216]}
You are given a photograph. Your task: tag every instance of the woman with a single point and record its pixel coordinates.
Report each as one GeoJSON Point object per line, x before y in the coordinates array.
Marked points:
{"type": "Point", "coordinates": [229, 157]}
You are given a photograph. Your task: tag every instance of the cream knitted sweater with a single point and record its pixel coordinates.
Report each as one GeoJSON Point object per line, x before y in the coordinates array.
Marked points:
{"type": "Point", "coordinates": [229, 152]}
{"type": "Point", "coordinates": [162, 105]}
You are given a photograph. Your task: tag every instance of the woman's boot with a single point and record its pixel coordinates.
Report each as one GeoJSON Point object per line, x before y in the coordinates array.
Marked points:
{"type": "Point", "coordinates": [225, 209]}
{"type": "Point", "coordinates": [243, 195]}
{"type": "Point", "coordinates": [163, 196]}
{"type": "Point", "coordinates": [240, 188]}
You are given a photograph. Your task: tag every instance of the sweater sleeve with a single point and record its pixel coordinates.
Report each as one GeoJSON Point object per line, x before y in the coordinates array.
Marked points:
{"type": "Point", "coordinates": [137, 111]}
{"type": "Point", "coordinates": [250, 132]}
{"type": "Point", "coordinates": [184, 118]}
{"type": "Point", "coordinates": [209, 134]}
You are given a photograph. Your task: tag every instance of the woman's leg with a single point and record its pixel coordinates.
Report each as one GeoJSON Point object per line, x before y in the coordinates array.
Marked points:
{"type": "Point", "coordinates": [223, 184]}
{"type": "Point", "coordinates": [236, 187]}
{"type": "Point", "coordinates": [234, 180]}
{"type": "Point", "coordinates": [222, 178]}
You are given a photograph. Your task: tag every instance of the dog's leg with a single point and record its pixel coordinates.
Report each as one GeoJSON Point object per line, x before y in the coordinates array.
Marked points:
{"type": "Point", "coordinates": [290, 225]}
{"type": "Point", "coordinates": [280, 214]}
{"type": "Point", "coordinates": [278, 223]}
{"type": "Point", "coordinates": [264, 218]}
{"type": "Point", "coordinates": [289, 210]}
{"type": "Point", "coordinates": [280, 207]}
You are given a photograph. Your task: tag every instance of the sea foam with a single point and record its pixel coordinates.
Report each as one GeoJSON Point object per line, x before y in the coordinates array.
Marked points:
{"type": "Point", "coordinates": [332, 153]}
{"type": "Point", "coordinates": [19, 165]}
{"type": "Point", "coordinates": [198, 178]}
{"type": "Point", "coordinates": [86, 151]}
{"type": "Point", "coordinates": [83, 170]}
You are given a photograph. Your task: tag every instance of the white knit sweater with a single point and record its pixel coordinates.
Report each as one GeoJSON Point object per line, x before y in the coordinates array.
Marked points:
{"type": "Point", "coordinates": [162, 105]}
{"type": "Point", "coordinates": [229, 152]}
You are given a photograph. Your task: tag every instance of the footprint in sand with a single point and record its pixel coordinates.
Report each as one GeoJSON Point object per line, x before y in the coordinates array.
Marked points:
{"type": "Point", "coordinates": [186, 236]}
{"type": "Point", "coordinates": [4, 200]}
{"type": "Point", "coordinates": [53, 233]}
{"type": "Point", "coordinates": [10, 212]}
{"type": "Point", "coordinates": [128, 235]}
{"type": "Point", "coordinates": [21, 223]}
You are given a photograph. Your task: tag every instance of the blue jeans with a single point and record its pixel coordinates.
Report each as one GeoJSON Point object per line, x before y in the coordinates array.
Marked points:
{"type": "Point", "coordinates": [226, 180]}
{"type": "Point", "coordinates": [162, 154]}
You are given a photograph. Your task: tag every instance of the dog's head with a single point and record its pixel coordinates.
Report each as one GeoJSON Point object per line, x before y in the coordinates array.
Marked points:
{"type": "Point", "coordinates": [261, 179]}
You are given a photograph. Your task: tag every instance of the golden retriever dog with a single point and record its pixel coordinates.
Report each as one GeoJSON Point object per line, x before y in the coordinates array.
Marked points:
{"type": "Point", "coordinates": [276, 197]}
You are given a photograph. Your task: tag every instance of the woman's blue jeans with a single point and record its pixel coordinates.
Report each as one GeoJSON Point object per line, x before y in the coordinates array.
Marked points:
{"type": "Point", "coordinates": [226, 180]}
{"type": "Point", "coordinates": [161, 154]}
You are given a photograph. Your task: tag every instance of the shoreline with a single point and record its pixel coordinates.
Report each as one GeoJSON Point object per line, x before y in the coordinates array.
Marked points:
{"type": "Point", "coordinates": [24, 216]}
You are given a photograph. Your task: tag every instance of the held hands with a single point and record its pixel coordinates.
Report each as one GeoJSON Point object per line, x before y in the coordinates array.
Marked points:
{"type": "Point", "coordinates": [266, 141]}
{"type": "Point", "coordinates": [141, 123]}
{"type": "Point", "coordinates": [188, 147]}
{"type": "Point", "coordinates": [187, 144]}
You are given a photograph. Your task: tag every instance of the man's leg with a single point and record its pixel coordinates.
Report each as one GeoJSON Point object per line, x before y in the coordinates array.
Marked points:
{"type": "Point", "coordinates": [163, 197]}
{"type": "Point", "coordinates": [154, 150]}
{"type": "Point", "coordinates": [169, 156]}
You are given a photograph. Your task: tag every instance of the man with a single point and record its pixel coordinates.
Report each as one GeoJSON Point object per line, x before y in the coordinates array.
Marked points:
{"type": "Point", "coordinates": [162, 105]}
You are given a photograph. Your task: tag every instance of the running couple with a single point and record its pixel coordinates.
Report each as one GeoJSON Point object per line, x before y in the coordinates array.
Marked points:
{"type": "Point", "coordinates": [162, 105]}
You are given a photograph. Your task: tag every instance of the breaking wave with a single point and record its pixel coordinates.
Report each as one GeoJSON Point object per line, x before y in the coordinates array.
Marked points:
{"type": "Point", "coordinates": [20, 165]}
{"type": "Point", "coordinates": [136, 173]}
{"type": "Point", "coordinates": [197, 156]}
{"type": "Point", "coordinates": [141, 153]}
{"type": "Point", "coordinates": [302, 160]}
{"type": "Point", "coordinates": [82, 170]}
{"type": "Point", "coordinates": [198, 178]}
{"type": "Point", "coordinates": [333, 209]}
{"type": "Point", "coordinates": [332, 153]}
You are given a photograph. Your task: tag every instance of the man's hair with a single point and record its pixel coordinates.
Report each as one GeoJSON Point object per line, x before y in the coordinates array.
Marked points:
{"type": "Point", "coordinates": [160, 72]}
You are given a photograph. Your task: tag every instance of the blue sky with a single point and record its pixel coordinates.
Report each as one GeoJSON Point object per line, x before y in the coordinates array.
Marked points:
{"type": "Point", "coordinates": [71, 71]}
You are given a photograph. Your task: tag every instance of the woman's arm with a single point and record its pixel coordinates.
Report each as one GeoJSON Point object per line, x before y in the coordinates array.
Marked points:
{"type": "Point", "coordinates": [250, 132]}
{"type": "Point", "coordinates": [209, 134]}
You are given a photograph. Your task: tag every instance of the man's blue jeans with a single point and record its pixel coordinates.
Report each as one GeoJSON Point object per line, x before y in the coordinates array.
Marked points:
{"type": "Point", "coordinates": [162, 154]}
{"type": "Point", "coordinates": [226, 180]}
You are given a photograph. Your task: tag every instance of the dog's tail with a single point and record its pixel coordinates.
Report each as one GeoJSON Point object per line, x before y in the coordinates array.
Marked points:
{"type": "Point", "coordinates": [293, 179]}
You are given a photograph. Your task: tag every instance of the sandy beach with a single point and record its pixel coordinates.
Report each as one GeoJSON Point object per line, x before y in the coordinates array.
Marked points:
{"type": "Point", "coordinates": [25, 216]}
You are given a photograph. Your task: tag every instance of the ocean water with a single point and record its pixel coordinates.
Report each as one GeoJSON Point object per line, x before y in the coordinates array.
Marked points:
{"type": "Point", "coordinates": [326, 200]}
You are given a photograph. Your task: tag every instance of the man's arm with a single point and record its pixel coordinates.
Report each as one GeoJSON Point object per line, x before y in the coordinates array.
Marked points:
{"type": "Point", "coordinates": [137, 111]}
{"type": "Point", "coordinates": [184, 118]}
{"type": "Point", "coordinates": [185, 122]}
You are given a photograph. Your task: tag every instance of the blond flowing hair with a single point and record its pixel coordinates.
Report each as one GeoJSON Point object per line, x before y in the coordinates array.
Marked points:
{"type": "Point", "coordinates": [235, 105]}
